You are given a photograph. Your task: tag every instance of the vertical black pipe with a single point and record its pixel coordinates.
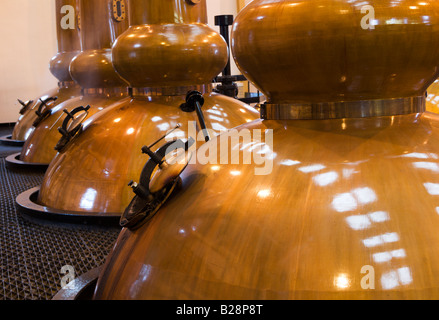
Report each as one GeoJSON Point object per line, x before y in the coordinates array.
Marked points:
{"type": "Point", "coordinates": [224, 21]}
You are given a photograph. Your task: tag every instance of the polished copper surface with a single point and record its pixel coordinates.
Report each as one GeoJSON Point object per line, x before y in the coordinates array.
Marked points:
{"type": "Point", "coordinates": [24, 126]}
{"type": "Point", "coordinates": [40, 146]}
{"type": "Point", "coordinates": [68, 47]}
{"type": "Point", "coordinates": [107, 154]}
{"type": "Point", "coordinates": [340, 110]}
{"type": "Point", "coordinates": [169, 44]}
{"type": "Point", "coordinates": [93, 172]}
{"type": "Point", "coordinates": [325, 55]}
{"type": "Point", "coordinates": [432, 100]}
{"type": "Point", "coordinates": [343, 208]}
{"type": "Point", "coordinates": [68, 42]}
{"type": "Point", "coordinates": [343, 194]}
{"type": "Point", "coordinates": [144, 93]}
{"type": "Point", "coordinates": [168, 12]}
{"type": "Point", "coordinates": [67, 37]}
{"type": "Point", "coordinates": [92, 69]}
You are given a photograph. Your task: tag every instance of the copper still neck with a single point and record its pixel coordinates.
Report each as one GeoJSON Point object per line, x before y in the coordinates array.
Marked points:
{"type": "Point", "coordinates": [99, 26]}
{"type": "Point", "coordinates": [168, 11]}
{"type": "Point", "coordinates": [112, 92]}
{"type": "Point", "coordinates": [93, 67]}
{"type": "Point", "coordinates": [326, 62]}
{"type": "Point", "coordinates": [67, 37]}
{"type": "Point", "coordinates": [147, 93]}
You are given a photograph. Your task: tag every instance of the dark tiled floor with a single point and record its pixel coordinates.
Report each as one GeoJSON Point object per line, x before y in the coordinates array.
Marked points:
{"type": "Point", "coordinates": [32, 254]}
{"type": "Point", "coordinates": [6, 129]}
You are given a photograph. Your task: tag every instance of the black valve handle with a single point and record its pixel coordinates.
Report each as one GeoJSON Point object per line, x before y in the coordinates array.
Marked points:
{"type": "Point", "coordinates": [44, 104]}
{"type": "Point", "coordinates": [194, 102]}
{"type": "Point", "coordinates": [154, 157]}
{"type": "Point", "coordinates": [157, 158]}
{"type": "Point", "coordinates": [67, 134]}
{"type": "Point", "coordinates": [140, 190]}
{"type": "Point", "coordinates": [145, 204]}
{"type": "Point", "coordinates": [41, 115]}
{"type": "Point", "coordinates": [70, 116]}
{"type": "Point", "coordinates": [25, 105]}
{"type": "Point", "coordinates": [224, 21]}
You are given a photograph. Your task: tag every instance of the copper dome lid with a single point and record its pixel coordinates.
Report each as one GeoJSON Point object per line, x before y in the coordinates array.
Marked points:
{"type": "Point", "coordinates": [348, 208]}
{"type": "Point", "coordinates": [167, 52]}
{"type": "Point", "coordinates": [92, 69]}
{"type": "Point", "coordinates": [68, 47]}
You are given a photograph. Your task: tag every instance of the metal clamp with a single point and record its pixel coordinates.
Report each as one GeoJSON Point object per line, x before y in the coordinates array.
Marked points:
{"type": "Point", "coordinates": [25, 106]}
{"type": "Point", "coordinates": [71, 125]}
{"type": "Point", "coordinates": [43, 114]}
{"type": "Point", "coordinates": [149, 197]}
{"type": "Point", "coordinates": [194, 102]}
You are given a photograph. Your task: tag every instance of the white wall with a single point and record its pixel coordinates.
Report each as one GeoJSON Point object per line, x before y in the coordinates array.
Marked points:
{"type": "Point", "coordinates": [29, 42]}
{"type": "Point", "coordinates": [28, 36]}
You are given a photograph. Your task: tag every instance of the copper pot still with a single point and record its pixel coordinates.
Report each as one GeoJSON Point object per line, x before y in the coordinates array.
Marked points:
{"type": "Point", "coordinates": [167, 52]}
{"type": "Point", "coordinates": [349, 209]}
{"type": "Point", "coordinates": [432, 100]}
{"type": "Point", "coordinates": [67, 29]}
{"type": "Point", "coordinates": [92, 69]}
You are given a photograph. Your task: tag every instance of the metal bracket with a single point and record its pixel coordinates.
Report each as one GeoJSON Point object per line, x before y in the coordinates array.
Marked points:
{"type": "Point", "coordinates": [43, 114]}
{"type": "Point", "coordinates": [71, 125]}
{"type": "Point", "coordinates": [146, 203]}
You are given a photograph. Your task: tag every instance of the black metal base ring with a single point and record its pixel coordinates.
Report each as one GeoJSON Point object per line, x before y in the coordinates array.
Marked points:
{"type": "Point", "coordinates": [7, 140]}
{"type": "Point", "coordinates": [28, 207]}
{"type": "Point", "coordinates": [13, 162]}
{"type": "Point", "coordinates": [81, 288]}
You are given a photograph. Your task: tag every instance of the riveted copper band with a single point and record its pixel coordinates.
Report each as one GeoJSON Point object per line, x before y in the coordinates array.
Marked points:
{"type": "Point", "coordinates": [170, 91]}
{"type": "Point", "coordinates": [67, 84]}
{"type": "Point", "coordinates": [349, 109]}
{"type": "Point", "coordinates": [107, 92]}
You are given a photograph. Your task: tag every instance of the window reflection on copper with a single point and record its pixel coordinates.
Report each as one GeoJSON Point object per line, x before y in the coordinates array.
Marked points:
{"type": "Point", "coordinates": [255, 145]}
{"type": "Point", "coordinates": [381, 239]}
{"type": "Point", "coordinates": [347, 173]}
{"type": "Point", "coordinates": [28, 133]}
{"type": "Point", "coordinates": [417, 155]}
{"type": "Point", "coordinates": [379, 216]}
{"type": "Point", "coordinates": [164, 126]}
{"type": "Point", "coordinates": [344, 202]}
{"type": "Point", "coordinates": [432, 166]}
{"type": "Point", "coordinates": [144, 273]}
{"type": "Point", "coordinates": [361, 222]}
{"type": "Point", "coordinates": [358, 222]}
{"type": "Point", "coordinates": [289, 162]}
{"type": "Point", "coordinates": [312, 168]}
{"type": "Point", "coordinates": [218, 127]}
{"type": "Point", "coordinates": [395, 278]}
{"type": "Point", "coordinates": [215, 118]}
{"type": "Point", "coordinates": [264, 193]}
{"type": "Point", "coordinates": [88, 199]}
{"type": "Point", "coordinates": [432, 188]}
{"type": "Point", "coordinates": [325, 179]}
{"type": "Point", "coordinates": [213, 111]}
{"type": "Point", "coordinates": [364, 195]}
{"type": "Point", "coordinates": [342, 281]}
